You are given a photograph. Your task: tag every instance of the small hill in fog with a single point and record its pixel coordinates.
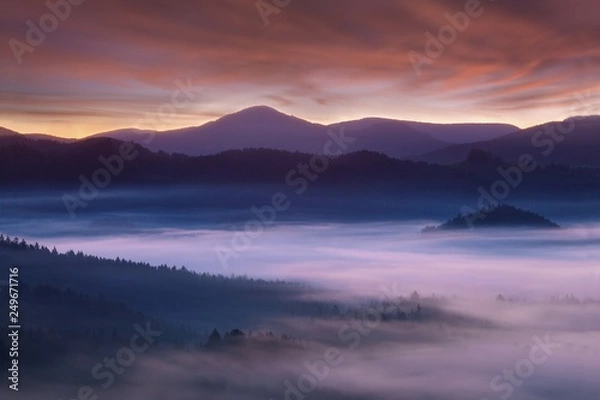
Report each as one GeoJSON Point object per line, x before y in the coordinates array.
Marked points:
{"type": "Point", "coordinates": [502, 216]}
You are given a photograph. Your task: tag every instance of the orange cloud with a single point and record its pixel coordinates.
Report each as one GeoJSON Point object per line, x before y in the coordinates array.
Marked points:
{"type": "Point", "coordinates": [111, 61]}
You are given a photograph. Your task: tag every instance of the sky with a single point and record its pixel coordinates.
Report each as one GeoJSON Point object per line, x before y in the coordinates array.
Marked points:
{"type": "Point", "coordinates": [158, 64]}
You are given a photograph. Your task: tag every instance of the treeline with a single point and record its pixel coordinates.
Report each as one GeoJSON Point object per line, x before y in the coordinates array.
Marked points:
{"type": "Point", "coordinates": [201, 300]}
{"type": "Point", "coordinates": [567, 299]}
{"type": "Point", "coordinates": [16, 245]}
{"type": "Point", "coordinates": [179, 296]}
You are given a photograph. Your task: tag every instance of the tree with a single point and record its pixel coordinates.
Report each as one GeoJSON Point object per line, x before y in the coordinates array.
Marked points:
{"type": "Point", "coordinates": [214, 339]}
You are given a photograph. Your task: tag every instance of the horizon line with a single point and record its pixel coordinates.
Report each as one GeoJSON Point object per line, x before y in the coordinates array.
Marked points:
{"type": "Point", "coordinates": [520, 128]}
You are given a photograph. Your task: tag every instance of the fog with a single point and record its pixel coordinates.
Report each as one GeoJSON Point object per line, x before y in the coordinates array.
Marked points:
{"type": "Point", "coordinates": [361, 257]}
{"type": "Point", "coordinates": [471, 350]}
{"type": "Point", "coordinates": [335, 244]}
{"type": "Point", "coordinates": [505, 357]}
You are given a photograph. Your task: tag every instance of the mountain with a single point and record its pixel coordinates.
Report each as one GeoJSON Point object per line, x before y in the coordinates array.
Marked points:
{"type": "Point", "coordinates": [448, 133]}
{"type": "Point", "coordinates": [463, 133]}
{"type": "Point", "coordinates": [580, 147]}
{"type": "Point", "coordinates": [4, 133]}
{"type": "Point", "coordinates": [43, 136]}
{"type": "Point", "coordinates": [395, 139]}
{"type": "Point", "coordinates": [19, 142]}
{"type": "Point", "coordinates": [265, 127]}
{"type": "Point", "coordinates": [502, 216]}
{"type": "Point", "coordinates": [255, 127]}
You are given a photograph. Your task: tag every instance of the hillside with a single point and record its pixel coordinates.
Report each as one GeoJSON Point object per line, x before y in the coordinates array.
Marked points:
{"type": "Point", "coordinates": [580, 147]}
{"type": "Point", "coordinates": [43, 163]}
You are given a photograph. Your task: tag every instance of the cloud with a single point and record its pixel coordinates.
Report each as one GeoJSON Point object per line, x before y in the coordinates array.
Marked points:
{"type": "Point", "coordinates": [326, 58]}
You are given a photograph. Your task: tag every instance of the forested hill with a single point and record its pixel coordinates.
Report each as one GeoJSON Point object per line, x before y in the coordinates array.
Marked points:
{"type": "Point", "coordinates": [73, 301]}
{"type": "Point", "coordinates": [176, 294]}
{"type": "Point", "coordinates": [501, 216]}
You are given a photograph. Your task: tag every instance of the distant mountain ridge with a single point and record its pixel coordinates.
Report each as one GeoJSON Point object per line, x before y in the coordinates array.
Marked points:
{"type": "Point", "coordinates": [456, 133]}
{"type": "Point", "coordinates": [4, 133]}
{"type": "Point", "coordinates": [266, 127]}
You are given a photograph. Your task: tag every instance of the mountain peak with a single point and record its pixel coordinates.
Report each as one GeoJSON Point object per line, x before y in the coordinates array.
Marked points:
{"type": "Point", "coordinates": [257, 111]}
{"type": "Point", "coordinates": [261, 108]}
{"type": "Point", "coordinates": [261, 116]}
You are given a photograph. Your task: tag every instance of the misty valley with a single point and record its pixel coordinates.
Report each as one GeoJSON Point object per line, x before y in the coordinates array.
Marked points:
{"type": "Point", "coordinates": [327, 299]}
{"type": "Point", "coordinates": [299, 200]}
